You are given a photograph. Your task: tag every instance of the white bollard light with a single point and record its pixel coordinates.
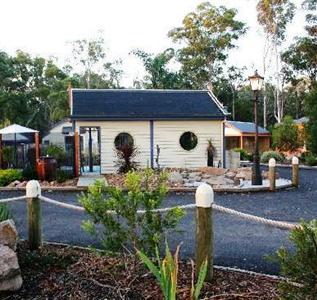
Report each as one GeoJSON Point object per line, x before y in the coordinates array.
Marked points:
{"type": "Point", "coordinates": [204, 228]}
{"type": "Point", "coordinates": [295, 171]}
{"type": "Point", "coordinates": [33, 189]}
{"type": "Point", "coordinates": [295, 160]}
{"type": "Point", "coordinates": [204, 195]}
{"type": "Point", "coordinates": [272, 183]}
{"type": "Point", "coordinates": [272, 162]}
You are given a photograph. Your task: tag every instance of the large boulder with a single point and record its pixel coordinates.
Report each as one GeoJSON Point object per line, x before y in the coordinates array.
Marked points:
{"type": "Point", "coordinates": [8, 234]}
{"type": "Point", "coordinates": [10, 274]}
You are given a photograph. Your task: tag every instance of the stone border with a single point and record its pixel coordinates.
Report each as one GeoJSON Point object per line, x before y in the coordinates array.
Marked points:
{"type": "Point", "coordinates": [170, 190]}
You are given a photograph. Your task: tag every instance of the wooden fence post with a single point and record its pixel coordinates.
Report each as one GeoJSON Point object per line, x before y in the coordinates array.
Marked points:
{"type": "Point", "coordinates": [33, 191]}
{"type": "Point", "coordinates": [37, 146]}
{"type": "Point", "coordinates": [272, 176]}
{"type": "Point", "coordinates": [204, 228]}
{"type": "Point", "coordinates": [295, 170]}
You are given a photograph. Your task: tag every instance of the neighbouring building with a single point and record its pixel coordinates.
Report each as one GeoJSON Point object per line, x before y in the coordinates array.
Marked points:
{"type": "Point", "coordinates": [241, 135]}
{"type": "Point", "coordinates": [178, 123]}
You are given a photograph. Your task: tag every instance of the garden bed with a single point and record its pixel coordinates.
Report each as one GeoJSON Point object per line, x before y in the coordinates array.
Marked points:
{"type": "Point", "coordinates": [59, 272]}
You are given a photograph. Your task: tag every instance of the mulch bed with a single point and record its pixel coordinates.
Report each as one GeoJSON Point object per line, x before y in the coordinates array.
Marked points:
{"type": "Point", "coordinates": [57, 272]}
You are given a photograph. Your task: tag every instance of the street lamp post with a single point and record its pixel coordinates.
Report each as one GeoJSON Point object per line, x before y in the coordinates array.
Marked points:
{"type": "Point", "coordinates": [256, 82]}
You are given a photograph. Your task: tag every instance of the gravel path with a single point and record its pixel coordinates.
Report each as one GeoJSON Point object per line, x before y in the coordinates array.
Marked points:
{"type": "Point", "coordinates": [238, 243]}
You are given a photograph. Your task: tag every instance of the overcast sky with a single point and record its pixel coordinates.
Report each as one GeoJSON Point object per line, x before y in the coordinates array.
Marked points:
{"type": "Point", "coordinates": [43, 27]}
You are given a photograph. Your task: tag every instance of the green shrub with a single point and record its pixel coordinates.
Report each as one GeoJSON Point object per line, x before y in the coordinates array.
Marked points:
{"type": "Point", "coordinates": [4, 212]}
{"type": "Point", "coordinates": [311, 160]}
{"type": "Point", "coordinates": [57, 152]}
{"type": "Point", "coordinates": [285, 136]}
{"type": "Point", "coordinates": [8, 155]}
{"type": "Point", "coordinates": [166, 274]}
{"type": "Point", "coordinates": [265, 157]}
{"type": "Point", "coordinates": [299, 266]}
{"type": "Point", "coordinates": [9, 175]}
{"type": "Point", "coordinates": [29, 173]}
{"type": "Point", "coordinates": [143, 191]}
{"type": "Point", "coordinates": [62, 176]}
{"type": "Point", "coordinates": [244, 155]}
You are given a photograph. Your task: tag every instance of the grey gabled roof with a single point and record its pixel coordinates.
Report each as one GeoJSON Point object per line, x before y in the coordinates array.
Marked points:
{"type": "Point", "coordinates": [145, 105]}
{"type": "Point", "coordinates": [247, 127]}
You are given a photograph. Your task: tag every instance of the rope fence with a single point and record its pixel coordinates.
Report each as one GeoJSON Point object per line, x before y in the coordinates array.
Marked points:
{"type": "Point", "coordinates": [219, 208]}
{"type": "Point", "coordinates": [204, 208]}
{"type": "Point", "coordinates": [12, 199]}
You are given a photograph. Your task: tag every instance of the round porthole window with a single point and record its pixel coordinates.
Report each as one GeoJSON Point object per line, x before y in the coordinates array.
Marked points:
{"type": "Point", "coordinates": [188, 140]}
{"type": "Point", "coordinates": [123, 139]}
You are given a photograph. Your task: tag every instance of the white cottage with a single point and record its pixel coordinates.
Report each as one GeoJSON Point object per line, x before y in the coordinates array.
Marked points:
{"type": "Point", "coordinates": [178, 122]}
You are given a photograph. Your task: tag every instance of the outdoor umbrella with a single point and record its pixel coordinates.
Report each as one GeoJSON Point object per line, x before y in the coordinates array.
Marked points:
{"type": "Point", "coordinates": [16, 129]}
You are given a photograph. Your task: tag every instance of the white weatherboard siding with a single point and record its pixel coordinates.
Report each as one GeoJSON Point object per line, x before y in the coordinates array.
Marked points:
{"type": "Point", "coordinates": [139, 130]}
{"type": "Point", "coordinates": [167, 135]}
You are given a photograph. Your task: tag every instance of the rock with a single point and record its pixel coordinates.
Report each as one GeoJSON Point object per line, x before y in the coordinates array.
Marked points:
{"type": "Point", "coordinates": [228, 181]}
{"type": "Point", "coordinates": [241, 175]}
{"type": "Point", "coordinates": [175, 177]}
{"type": "Point", "coordinates": [236, 181]}
{"type": "Point", "coordinates": [22, 184]}
{"type": "Point", "coordinates": [215, 180]}
{"type": "Point", "coordinates": [8, 234]}
{"type": "Point", "coordinates": [14, 183]}
{"type": "Point", "coordinates": [194, 175]}
{"type": "Point", "coordinates": [10, 274]}
{"type": "Point", "coordinates": [231, 175]}
{"type": "Point", "coordinates": [205, 176]}
{"type": "Point", "coordinates": [213, 171]}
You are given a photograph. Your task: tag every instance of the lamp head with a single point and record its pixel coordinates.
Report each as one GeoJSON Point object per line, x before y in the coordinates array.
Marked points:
{"type": "Point", "coordinates": [256, 81]}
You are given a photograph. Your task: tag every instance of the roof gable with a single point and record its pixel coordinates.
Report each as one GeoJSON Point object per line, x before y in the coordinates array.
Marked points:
{"type": "Point", "coordinates": [144, 105]}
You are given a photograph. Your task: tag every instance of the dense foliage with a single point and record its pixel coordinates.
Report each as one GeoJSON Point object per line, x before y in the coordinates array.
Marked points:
{"type": "Point", "coordinates": [265, 157]}
{"type": "Point", "coordinates": [57, 152]}
{"type": "Point", "coordinates": [126, 227]}
{"type": "Point", "coordinates": [285, 136]}
{"type": "Point", "coordinates": [299, 266]}
{"type": "Point", "coordinates": [4, 212]}
{"type": "Point", "coordinates": [244, 155]}
{"type": "Point", "coordinates": [9, 175]}
{"type": "Point", "coordinates": [311, 106]}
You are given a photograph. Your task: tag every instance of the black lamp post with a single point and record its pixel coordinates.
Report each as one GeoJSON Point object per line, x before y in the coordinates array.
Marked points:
{"type": "Point", "coordinates": [256, 82]}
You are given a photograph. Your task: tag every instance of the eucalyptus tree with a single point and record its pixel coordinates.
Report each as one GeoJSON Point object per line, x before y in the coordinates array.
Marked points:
{"type": "Point", "coordinates": [96, 71]}
{"type": "Point", "coordinates": [274, 16]}
{"type": "Point", "coordinates": [301, 56]}
{"type": "Point", "coordinates": [159, 74]}
{"type": "Point", "coordinates": [205, 37]}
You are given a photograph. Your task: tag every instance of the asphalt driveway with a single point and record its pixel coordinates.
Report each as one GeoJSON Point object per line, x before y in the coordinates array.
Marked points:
{"type": "Point", "coordinates": [238, 243]}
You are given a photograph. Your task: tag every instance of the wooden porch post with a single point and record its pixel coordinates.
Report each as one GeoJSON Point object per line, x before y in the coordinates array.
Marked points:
{"type": "Point", "coordinates": [37, 146]}
{"type": "Point", "coordinates": [241, 141]}
{"type": "Point", "coordinates": [76, 154]}
{"type": "Point", "coordinates": [1, 153]}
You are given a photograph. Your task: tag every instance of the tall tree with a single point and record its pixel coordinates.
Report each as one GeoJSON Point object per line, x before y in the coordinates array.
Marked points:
{"type": "Point", "coordinates": [159, 75]}
{"type": "Point", "coordinates": [32, 91]}
{"type": "Point", "coordinates": [301, 56]}
{"type": "Point", "coordinates": [96, 71]}
{"type": "Point", "coordinates": [206, 35]}
{"type": "Point", "coordinates": [274, 16]}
